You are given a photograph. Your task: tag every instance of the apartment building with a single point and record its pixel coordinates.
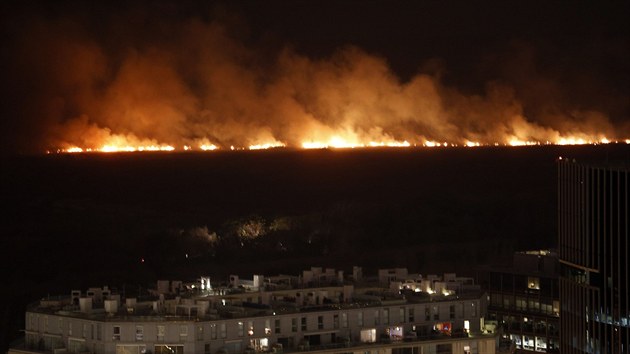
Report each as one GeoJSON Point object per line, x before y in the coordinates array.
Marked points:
{"type": "Point", "coordinates": [317, 311]}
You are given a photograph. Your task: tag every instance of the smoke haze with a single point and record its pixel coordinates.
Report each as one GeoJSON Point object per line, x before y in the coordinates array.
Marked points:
{"type": "Point", "coordinates": [158, 75]}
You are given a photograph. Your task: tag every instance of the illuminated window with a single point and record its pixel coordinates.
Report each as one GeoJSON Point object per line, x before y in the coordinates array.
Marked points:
{"type": "Point", "coordinates": [267, 327]}
{"type": "Point", "coordinates": [169, 349]}
{"type": "Point", "coordinates": [533, 283]}
{"type": "Point", "coordinates": [250, 328]}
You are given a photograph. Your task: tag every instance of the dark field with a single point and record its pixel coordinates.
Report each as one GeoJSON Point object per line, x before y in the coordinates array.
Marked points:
{"type": "Point", "coordinates": [73, 221]}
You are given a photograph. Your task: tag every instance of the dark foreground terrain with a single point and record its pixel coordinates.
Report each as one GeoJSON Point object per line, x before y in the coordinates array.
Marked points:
{"type": "Point", "coordinates": [73, 221]}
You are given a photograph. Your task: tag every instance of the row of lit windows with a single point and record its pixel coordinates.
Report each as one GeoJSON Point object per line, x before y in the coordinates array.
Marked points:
{"type": "Point", "coordinates": [520, 303]}
{"type": "Point", "coordinates": [339, 320]}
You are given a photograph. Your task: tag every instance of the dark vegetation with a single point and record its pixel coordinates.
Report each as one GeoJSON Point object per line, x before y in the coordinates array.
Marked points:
{"type": "Point", "coordinates": [74, 221]}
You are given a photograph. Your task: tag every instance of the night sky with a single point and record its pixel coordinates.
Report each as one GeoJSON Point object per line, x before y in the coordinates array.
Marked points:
{"type": "Point", "coordinates": [241, 73]}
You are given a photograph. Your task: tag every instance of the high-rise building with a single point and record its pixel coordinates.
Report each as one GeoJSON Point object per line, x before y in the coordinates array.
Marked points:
{"type": "Point", "coordinates": [524, 300]}
{"type": "Point", "coordinates": [593, 254]}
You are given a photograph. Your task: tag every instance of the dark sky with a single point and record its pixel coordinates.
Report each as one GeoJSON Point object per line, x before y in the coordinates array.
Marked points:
{"type": "Point", "coordinates": [563, 65]}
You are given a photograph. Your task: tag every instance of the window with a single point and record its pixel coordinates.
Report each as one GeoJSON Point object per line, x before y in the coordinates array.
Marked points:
{"type": "Point", "coordinates": [130, 349]}
{"type": "Point", "coordinates": [116, 336]}
{"type": "Point", "coordinates": [336, 321]}
{"type": "Point", "coordinates": [139, 333]}
{"type": "Point", "coordinates": [473, 310]}
{"type": "Point", "coordinates": [412, 317]}
{"type": "Point", "coordinates": [401, 314]}
{"type": "Point", "coordinates": [213, 331]}
{"type": "Point", "coordinates": [344, 320]}
{"type": "Point", "coordinates": [267, 327]}
{"type": "Point", "coordinates": [92, 331]}
{"type": "Point", "coordinates": [98, 331]}
{"type": "Point", "coordinates": [70, 330]}
{"type": "Point", "coordinates": [32, 321]}
{"type": "Point", "coordinates": [250, 328]}
{"type": "Point", "coordinates": [533, 305]}
{"type": "Point", "coordinates": [436, 313]}
{"type": "Point", "coordinates": [377, 317]}
{"type": "Point", "coordinates": [277, 326]}
{"type": "Point", "coordinates": [320, 322]}
{"type": "Point", "coordinates": [46, 324]}
{"type": "Point", "coordinates": [360, 319]}
{"type": "Point", "coordinates": [386, 316]}
{"type": "Point", "coordinates": [169, 349]}
{"type": "Point", "coordinates": [161, 331]}
{"type": "Point", "coordinates": [294, 325]}
{"type": "Point", "coordinates": [85, 330]}
{"type": "Point", "coordinates": [452, 312]}
{"type": "Point", "coordinates": [240, 329]}
{"type": "Point", "coordinates": [533, 283]}
{"type": "Point", "coordinates": [60, 324]}
{"type": "Point", "coordinates": [183, 332]}
{"type": "Point", "coordinates": [206, 348]}
{"type": "Point", "coordinates": [199, 333]}
{"type": "Point", "coordinates": [223, 330]}
{"type": "Point", "coordinates": [304, 323]}
{"type": "Point", "coordinates": [444, 348]}
{"type": "Point", "coordinates": [521, 303]}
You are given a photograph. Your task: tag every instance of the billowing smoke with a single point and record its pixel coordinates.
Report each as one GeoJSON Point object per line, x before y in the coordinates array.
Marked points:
{"type": "Point", "coordinates": [194, 82]}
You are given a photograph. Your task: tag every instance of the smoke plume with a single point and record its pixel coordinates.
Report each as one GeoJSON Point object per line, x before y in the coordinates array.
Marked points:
{"type": "Point", "coordinates": [192, 81]}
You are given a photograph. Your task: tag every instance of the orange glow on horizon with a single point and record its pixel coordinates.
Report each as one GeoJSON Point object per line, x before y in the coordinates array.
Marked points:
{"type": "Point", "coordinates": [335, 142]}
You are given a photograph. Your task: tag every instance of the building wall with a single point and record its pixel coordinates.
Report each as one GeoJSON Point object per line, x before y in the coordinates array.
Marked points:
{"type": "Point", "coordinates": [593, 248]}
{"type": "Point", "coordinates": [131, 336]}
